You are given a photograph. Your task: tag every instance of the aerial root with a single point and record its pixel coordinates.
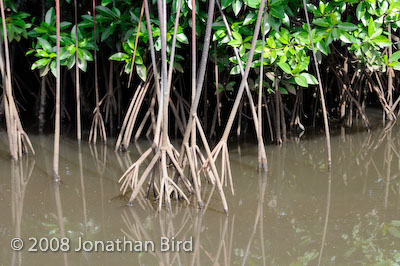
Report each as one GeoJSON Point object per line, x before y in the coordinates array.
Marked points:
{"type": "Point", "coordinates": [23, 142]}
{"type": "Point", "coordinates": [226, 172]}
{"type": "Point", "coordinates": [212, 164]}
{"type": "Point", "coordinates": [166, 187]}
{"type": "Point", "coordinates": [97, 125]}
{"type": "Point", "coordinates": [195, 176]}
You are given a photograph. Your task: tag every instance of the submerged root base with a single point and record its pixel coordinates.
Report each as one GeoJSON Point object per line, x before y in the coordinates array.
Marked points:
{"type": "Point", "coordinates": [97, 125]}
{"type": "Point", "coordinates": [163, 187]}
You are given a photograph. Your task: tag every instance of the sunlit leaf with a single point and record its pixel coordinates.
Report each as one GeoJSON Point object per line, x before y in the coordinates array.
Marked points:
{"type": "Point", "coordinates": [347, 26]}
{"type": "Point", "coordinates": [40, 63]}
{"type": "Point", "coordinates": [285, 67]}
{"type": "Point", "coordinates": [301, 81]}
{"type": "Point", "coordinates": [371, 27]}
{"type": "Point", "coordinates": [119, 57]}
{"type": "Point", "coordinates": [226, 3]}
{"type": "Point", "coordinates": [235, 70]}
{"type": "Point", "coordinates": [141, 70]}
{"type": "Point", "coordinates": [382, 41]}
{"type": "Point", "coordinates": [310, 78]}
{"type": "Point", "coordinates": [181, 37]}
{"type": "Point", "coordinates": [237, 6]}
{"type": "Point", "coordinates": [45, 45]}
{"type": "Point", "coordinates": [395, 57]}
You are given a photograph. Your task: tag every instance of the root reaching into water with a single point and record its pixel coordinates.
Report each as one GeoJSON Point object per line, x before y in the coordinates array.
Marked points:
{"type": "Point", "coordinates": [98, 122]}
{"type": "Point", "coordinates": [165, 187]}
{"type": "Point", "coordinates": [131, 116]}
{"type": "Point", "coordinates": [18, 139]}
{"type": "Point", "coordinates": [97, 127]}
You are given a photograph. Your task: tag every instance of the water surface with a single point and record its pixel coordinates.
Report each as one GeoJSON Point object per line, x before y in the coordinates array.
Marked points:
{"type": "Point", "coordinates": [297, 215]}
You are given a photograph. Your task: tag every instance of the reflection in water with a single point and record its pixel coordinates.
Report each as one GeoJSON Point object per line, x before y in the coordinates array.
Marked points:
{"type": "Point", "coordinates": [328, 208]}
{"type": "Point", "coordinates": [21, 172]}
{"type": "Point", "coordinates": [259, 219]}
{"type": "Point", "coordinates": [60, 217]}
{"type": "Point", "coordinates": [298, 215]}
{"type": "Point", "coordinates": [84, 207]}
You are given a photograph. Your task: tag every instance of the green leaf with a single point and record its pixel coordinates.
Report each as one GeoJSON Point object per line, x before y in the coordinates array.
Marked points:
{"type": "Point", "coordinates": [276, 2]}
{"type": "Point", "coordinates": [12, 5]}
{"type": "Point", "coordinates": [49, 18]}
{"type": "Point", "coordinates": [252, 3]}
{"type": "Point", "coordinates": [237, 6]}
{"type": "Point", "coordinates": [235, 43]}
{"type": "Point", "coordinates": [395, 56]}
{"type": "Point", "coordinates": [181, 37]}
{"type": "Point", "coordinates": [371, 27]}
{"type": "Point", "coordinates": [322, 22]}
{"type": "Point", "coordinates": [301, 81]}
{"type": "Point", "coordinates": [360, 10]}
{"type": "Point", "coordinates": [237, 36]}
{"type": "Point", "coordinates": [119, 57]}
{"type": "Point", "coordinates": [41, 53]}
{"type": "Point", "coordinates": [138, 59]}
{"type": "Point", "coordinates": [251, 17]}
{"type": "Point", "coordinates": [127, 68]}
{"type": "Point", "coordinates": [30, 52]}
{"type": "Point", "coordinates": [44, 70]}
{"type": "Point", "coordinates": [229, 86]}
{"type": "Point", "coordinates": [322, 7]}
{"type": "Point", "coordinates": [178, 66]}
{"type": "Point", "coordinates": [347, 38]}
{"type": "Point", "coordinates": [71, 62]}
{"type": "Point", "coordinates": [283, 90]}
{"type": "Point", "coordinates": [64, 53]}
{"type": "Point", "coordinates": [285, 67]}
{"type": "Point", "coordinates": [106, 2]}
{"type": "Point", "coordinates": [235, 70]}
{"type": "Point", "coordinates": [396, 66]}
{"type": "Point", "coordinates": [347, 26]}
{"type": "Point", "coordinates": [219, 34]}
{"type": "Point", "coordinates": [40, 63]}
{"type": "Point", "coordinates": [382, 41]}
{"type": "Point", "coordinates": [105, 11]}
{"type": "Point", "coordinates": [45, 45]}
{"type": "Point", "coordinates": [64, 25]}
{"type": "Point", "coordinates": [322, 47]}
{"type": "Point", "coordinates": [226, 3]}
{"type": "Point", "coordinates": [277, 12]}
{"type": "Point", "coordinates": [271, 43]}
{"type": "Point", "coordinates": [310, 78]}
{"type": "Point", "coordinates": [141, 70]}
{"type": "Point", "coordinates": [108, 31]}
{"type": "Point", "coordinates": [116, 12]}
{"type": "Point", "coordinates": [376, 33]}
{"type": "Point", "coordinates": [53, 68]}
{"type": "Point", "coordinates": [82, 64]}
{"type": "Point", "coordinates": [86, 55]}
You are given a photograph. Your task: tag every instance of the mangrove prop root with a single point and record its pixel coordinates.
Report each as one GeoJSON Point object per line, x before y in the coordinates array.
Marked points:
{"type": "Point", "coordinates": [321, 91]}
{"type": "Point", "coordinates": [18, 140]}
{"type": "Point", "coordinates": [98, 122]}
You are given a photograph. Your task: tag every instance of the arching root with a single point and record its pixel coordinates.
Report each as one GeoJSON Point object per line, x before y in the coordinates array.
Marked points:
{"type": "Point", "coordinates": [163, 187]}
{"type": "Point", "coordinates": [97, 125]}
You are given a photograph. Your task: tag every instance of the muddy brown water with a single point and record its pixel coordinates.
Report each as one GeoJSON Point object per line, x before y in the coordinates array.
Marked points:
{"type": "Point", "coordinates": [297, 215]}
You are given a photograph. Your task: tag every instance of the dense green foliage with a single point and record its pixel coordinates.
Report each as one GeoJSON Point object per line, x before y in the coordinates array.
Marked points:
{"type": "Point", "coordinates": [356, 32]}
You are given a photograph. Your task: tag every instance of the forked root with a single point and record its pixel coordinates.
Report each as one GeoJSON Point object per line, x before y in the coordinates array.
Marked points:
{"type": "Point", "coordinates": [164, 187]}
{"type": "Point", "coordinates": [131, 116]}
{"type": "Point", "coordinates": [97, 125]}
{"type": "Point", "coordinates": [191, 156]}
{"type": "Point", "coordinates": [19, 141]}
{"type": "Point", "coordinates": [226, 172]}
